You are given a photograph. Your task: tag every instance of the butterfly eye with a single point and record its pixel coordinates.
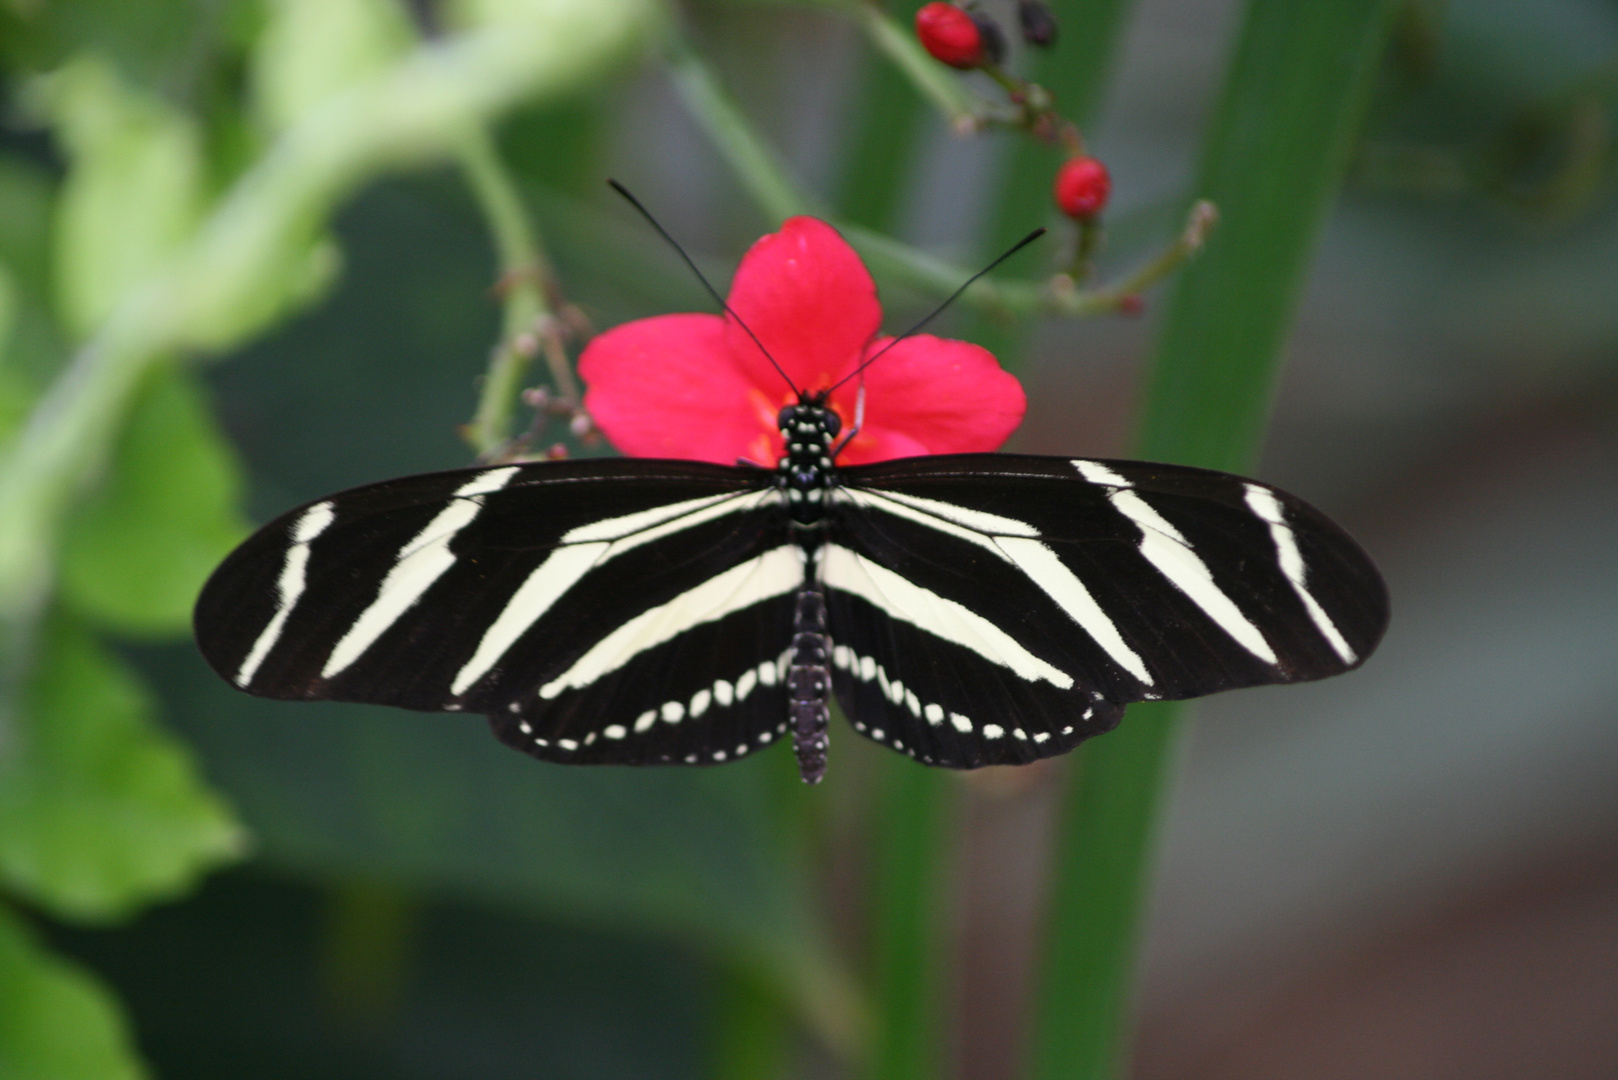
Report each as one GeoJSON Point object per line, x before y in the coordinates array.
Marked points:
{"type": "Point", "coordinates": [833, 423]}
{"type": "Point", "coordinates": [786, 416]}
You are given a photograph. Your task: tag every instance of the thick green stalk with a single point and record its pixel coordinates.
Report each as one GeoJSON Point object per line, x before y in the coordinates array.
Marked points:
{"type": "Point", "coordinates": [908, 945]}
{"type": "Point", "coordinates": [1292, 102]}
{"type": "Point", "coordinates": [907, 839]}
{"type": "Point", "coordinates": [753, 1028]}
{"type": "Point", "coordinates": [908, 938]}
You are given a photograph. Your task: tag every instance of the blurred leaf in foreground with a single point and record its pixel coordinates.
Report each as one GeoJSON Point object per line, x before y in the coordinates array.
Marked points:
{"type": "Point", "coordinates": [133, 195]}
{"type": "Point", "coordinates": [100, 811]}
{"type": "Point", "coordinates": [136, 554]}
{"type": "Point", "coordinates": [312, 49]}
{"type": "Point", "coordinates": [56, 1022]}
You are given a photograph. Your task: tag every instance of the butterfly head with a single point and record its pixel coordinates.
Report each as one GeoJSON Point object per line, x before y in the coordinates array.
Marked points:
{"type": "Point", "coordinates": [808, 431]}
{"type": "Point", "coordinates": [808, 428]}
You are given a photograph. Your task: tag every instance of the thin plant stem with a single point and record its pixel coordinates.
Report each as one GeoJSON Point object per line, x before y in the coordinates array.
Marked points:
{"type": "Point", "coordinates": [908, 921]}
{"type": "Point", "coordinates": [1071, 301]}
{"type": "Point", "coordinates": [935, 82]}
{"type": "Point", "coordinates": [766, 181]}
{"type": "Point", "coordinates": [1074, 74]}
{"type": "Point", "coordinates": [529, 323]}
{"type": "Point", "coordinates": [755, 164]}
{"type": "Point", "coordinates": [522, 273]}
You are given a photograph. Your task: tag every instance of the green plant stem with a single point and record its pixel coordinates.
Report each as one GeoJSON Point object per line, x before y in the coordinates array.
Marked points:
{"type": "Point", "coordinates": [1292, 102]}
{"type": "Point", "coordinates": [766, 181]}
{"type": "Point", "coordinates": [755, 164]}
{"type": "Point", "coordinates": [528, 322]}
{"type": "Point", "coordinates": [909, 858]}
{"type": "Point", "coordinates": [909, 957]}
{"type": "Point", "coordinates": [752, 1027]}
{"type": "Point", "coordinates": [1198, 223]}
{"type": "Point", "coordinates": [881, 146]}
{"type": "Point", "coordinates": [1074, 72]}
{"type": "Point", "coordinates": [1098, 887]}
{"type": "Point", "coordinates": [368, 945]}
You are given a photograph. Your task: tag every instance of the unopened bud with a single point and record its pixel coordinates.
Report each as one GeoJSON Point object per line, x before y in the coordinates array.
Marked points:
{"type": "Point", "coordinates": [1037, 21]}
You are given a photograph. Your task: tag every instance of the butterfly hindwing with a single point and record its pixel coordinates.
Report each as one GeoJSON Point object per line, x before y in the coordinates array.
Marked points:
{"type": "Point", "coordinates": [695, 679]}
{"type": "Point", "coordinates": [936, 700]}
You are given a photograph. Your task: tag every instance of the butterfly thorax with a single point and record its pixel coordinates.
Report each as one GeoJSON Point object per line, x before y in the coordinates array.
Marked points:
{"type": "Point", "coordinates": [804, 472]}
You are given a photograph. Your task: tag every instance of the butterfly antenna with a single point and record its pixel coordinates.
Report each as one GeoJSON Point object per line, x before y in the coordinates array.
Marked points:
{"type": "Point", "coordinates": [713, 292]}
{"type": "Point", "coordinates": [939, 310]}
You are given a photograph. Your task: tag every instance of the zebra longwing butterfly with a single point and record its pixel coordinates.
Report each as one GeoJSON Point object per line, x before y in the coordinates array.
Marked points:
{"type": "Point", "coordinates": [965, 609]}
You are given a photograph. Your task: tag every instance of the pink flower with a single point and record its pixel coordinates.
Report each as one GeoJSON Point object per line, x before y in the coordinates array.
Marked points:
{"type": "Point", "coordinates": [696, 386]}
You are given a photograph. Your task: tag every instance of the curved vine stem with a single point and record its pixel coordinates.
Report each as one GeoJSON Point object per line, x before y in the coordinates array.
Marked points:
{"type": "Point", "coordinates": [531, 322]}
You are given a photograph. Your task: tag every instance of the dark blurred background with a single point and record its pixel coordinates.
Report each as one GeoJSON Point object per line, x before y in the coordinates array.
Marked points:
{"type": "Point", "coordinates": [1409, 872]}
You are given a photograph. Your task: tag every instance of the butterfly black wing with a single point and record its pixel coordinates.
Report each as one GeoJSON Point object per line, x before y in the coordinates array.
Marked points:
{"type": "Point", "coordinates": [597, 611]}
{"type": "Point", "coordinates": [995, 609]}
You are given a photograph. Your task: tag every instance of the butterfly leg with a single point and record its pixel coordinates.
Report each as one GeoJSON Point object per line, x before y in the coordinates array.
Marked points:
{"type": "Point", "coordinates": [809, 683]}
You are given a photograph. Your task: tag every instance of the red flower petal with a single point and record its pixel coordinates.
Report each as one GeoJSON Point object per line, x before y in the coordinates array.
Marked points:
{"type": "Point", "coordinates": [930, 395]}
{"type": "Point", "coordinates": [810, 300]}
{"type": "Point", "coordinates": [667, 387]}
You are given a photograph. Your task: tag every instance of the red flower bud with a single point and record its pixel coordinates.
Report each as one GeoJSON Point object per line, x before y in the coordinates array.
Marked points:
{"type": "Point", "coordinates": [1082, 186]}
{"type": "Point", "coordinates": [950, 35]}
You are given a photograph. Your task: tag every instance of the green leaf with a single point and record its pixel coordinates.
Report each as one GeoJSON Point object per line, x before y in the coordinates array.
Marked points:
{"type": "Point", "coordinates": [100, 811]}
{"type": "Point", "coordinates": [132, 196]}
{"type": "Point", "coordinates": [56, 1021]}
{"type": "Point", "coordinates": [312, 49]}
{"type": "Point", "coordinates": [235, 272]}
{"type": "Point", "coordinates": [1298, 88]}
{"type": "Point", "coordinates": [135, 555]}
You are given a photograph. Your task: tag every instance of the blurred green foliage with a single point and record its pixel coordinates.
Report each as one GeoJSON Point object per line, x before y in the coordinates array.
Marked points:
{"type": "Point", "coordinates": [196, 152]}
{"type": "Point", "coordinates": [164, 514]}
{"type": "Point", "coordinates": [100, 811]}
{"type": "Point", "coordinates": [58, 1023]}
